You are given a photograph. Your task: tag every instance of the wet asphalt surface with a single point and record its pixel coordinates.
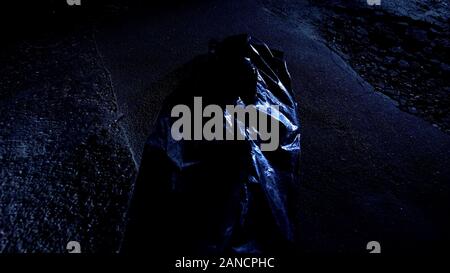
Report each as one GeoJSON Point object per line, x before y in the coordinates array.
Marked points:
{"type": "Point", "coordinates": [369, 171]}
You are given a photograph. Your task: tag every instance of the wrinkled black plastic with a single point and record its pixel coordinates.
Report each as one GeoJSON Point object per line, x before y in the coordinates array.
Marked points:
{"type": "Point", "coordinates": [211, 197]}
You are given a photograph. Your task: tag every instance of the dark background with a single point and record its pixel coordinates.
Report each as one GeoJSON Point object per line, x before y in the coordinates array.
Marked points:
{"type": "Point", "coordinates": [80, 87]}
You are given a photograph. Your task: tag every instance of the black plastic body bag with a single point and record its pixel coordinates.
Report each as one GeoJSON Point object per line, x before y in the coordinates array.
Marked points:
{"type": "Point", "coordinates": [200, 197]}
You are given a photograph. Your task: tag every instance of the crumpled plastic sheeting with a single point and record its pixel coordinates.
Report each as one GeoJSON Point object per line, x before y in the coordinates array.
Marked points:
{"type": "Point", "coordinates": [220, 196]}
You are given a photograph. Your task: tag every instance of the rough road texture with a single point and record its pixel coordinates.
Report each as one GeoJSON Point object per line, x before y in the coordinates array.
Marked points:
{"type": "Point", "coordinates": [369, 171]}
{"type": "Point", "coordinates": [406, 59]}
{"type": "Point", "coordinates": [65, 167]}
{"type": "Point", "coordinates": [401, 48]}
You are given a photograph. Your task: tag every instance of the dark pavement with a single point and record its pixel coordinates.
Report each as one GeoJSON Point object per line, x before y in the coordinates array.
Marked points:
{"type": "Point", "coordinates": [368, 171]}
{"type": "Point", "coordinates": [65, 166]}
